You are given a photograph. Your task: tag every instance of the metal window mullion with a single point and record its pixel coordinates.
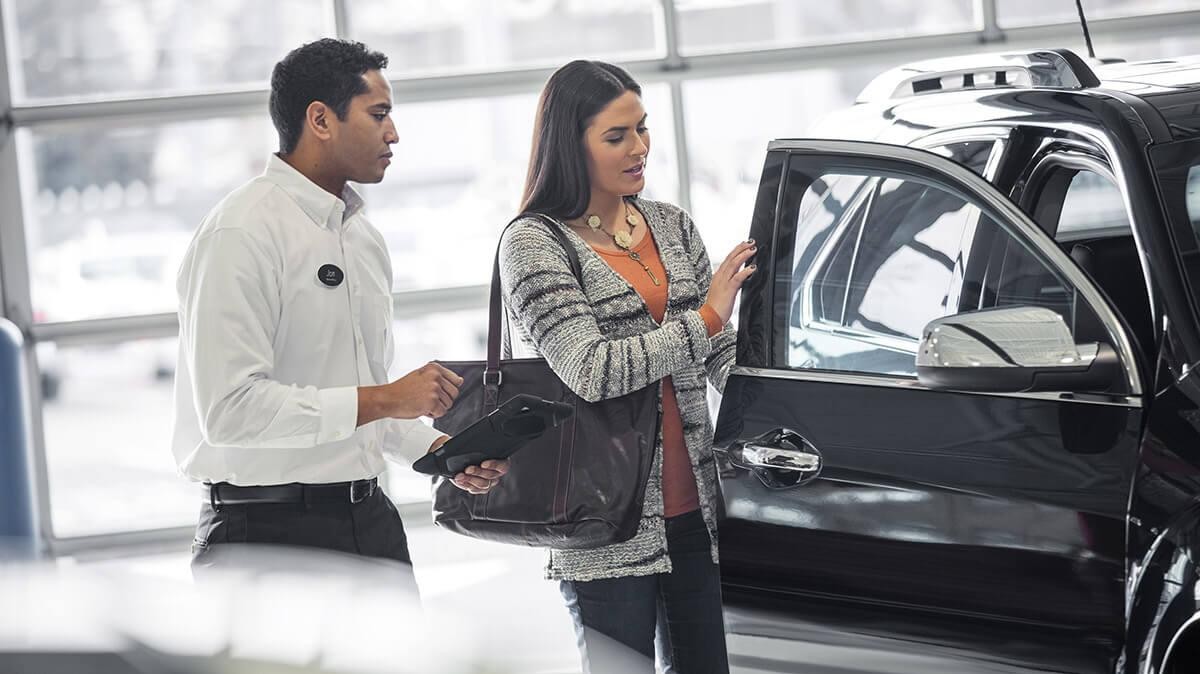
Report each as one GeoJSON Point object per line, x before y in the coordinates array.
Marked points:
{"type": "Point", "coordinates": [985, 11]}
{"type": "Point", "coordinates": [144, 110]}
{"type": "Point", "coordinates": [123, 543]}
{"type": "Point", "coordinates": [674, 63]}
{"type": "Point", "coordinates": [670, 69]}
{"type": "Point", "coordinates": [15, 299]}
{"type": "Point", "coordinates": [673, 59]}
{"type": "Point", "coordinates": [408, 304]}
{"type": "Point", "coordinates": [682, 156]}
{"type": "Point", "coordinates": [341, 19]}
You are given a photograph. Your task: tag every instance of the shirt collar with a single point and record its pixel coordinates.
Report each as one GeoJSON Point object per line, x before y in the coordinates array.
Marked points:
{"type": "Point", "coordinates": [325, 209]}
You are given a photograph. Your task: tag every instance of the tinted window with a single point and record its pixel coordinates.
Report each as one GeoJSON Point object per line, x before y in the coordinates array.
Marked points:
{"type": "Point", "coordinates": [874, 260]}
{"type": "Point", "coordinates": [877, 256]}
{"type": "Point", "coordinates": [1092, 203]}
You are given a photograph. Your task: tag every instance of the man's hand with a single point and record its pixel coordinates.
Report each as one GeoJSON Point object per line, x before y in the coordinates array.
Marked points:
{"type": "Point", "coordinates": [428, 391]}
{"type": "Point", "coordinates": [476, 479]}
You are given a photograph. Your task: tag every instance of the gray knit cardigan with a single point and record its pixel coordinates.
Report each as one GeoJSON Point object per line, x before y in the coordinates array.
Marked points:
{"type": "Point", "coordinates": [602, 342]}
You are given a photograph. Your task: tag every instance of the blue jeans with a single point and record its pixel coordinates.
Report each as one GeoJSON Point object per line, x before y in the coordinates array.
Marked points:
{"type": "Point", "coordinates": [617, 619]}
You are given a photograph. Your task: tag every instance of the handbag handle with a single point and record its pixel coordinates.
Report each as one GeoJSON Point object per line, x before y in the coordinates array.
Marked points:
{"type": "Point", "coordinates": [491, 373]}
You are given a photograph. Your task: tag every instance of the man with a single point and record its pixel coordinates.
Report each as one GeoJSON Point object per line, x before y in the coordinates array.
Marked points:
{"type": "Point", "coordinates": [283, 406]}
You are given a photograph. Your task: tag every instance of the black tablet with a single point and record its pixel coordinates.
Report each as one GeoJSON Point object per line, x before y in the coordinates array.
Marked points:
{"type": "Point", "coordinates": [496, 436]}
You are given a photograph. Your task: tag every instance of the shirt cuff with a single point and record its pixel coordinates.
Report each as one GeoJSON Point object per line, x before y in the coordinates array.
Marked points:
{"type": "Point", "coordinates": [711, 320]}
{"type": "Point", "coordinates": [421, 437]}
{"type": "Point", "coordinates": [339, 413]}
{"type": "Point", "coordinates": [409, 439]}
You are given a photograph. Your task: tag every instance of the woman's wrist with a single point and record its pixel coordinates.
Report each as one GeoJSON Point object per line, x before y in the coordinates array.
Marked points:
{"type": "Point", "coordinates": [712, 320]}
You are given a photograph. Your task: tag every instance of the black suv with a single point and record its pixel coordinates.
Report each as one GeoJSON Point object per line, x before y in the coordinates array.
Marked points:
{"type": "Point", "coordinates": [963, 432]}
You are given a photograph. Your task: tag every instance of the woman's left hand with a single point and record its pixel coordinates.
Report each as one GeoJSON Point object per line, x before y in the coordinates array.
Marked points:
{"type": "Point", "coordinates": [480, 479]}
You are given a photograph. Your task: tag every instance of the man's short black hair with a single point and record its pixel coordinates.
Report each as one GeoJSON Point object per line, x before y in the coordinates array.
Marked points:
{"type": "Point", "coordinates": [327, 70]}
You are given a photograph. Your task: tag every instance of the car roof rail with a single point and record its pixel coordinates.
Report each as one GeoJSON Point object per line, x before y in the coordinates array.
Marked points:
{"type": "Point", "coordinates": [1042, 68]}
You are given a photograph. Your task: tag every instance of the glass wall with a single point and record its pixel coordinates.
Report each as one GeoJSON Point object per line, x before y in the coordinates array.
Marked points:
{"type": "Point", "coordinates": [110, 195]}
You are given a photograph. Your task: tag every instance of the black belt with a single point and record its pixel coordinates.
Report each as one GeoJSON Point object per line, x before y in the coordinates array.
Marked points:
{"type": "Point", "coordinates": [223, 493]}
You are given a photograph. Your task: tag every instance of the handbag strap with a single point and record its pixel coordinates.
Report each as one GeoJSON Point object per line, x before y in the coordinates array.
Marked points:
{"type": "Point", "coordinates": [491, 374]}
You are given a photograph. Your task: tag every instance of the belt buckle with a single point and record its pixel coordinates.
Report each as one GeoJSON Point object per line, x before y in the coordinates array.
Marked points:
{"type": "Point", "coordinates": [360, 490]}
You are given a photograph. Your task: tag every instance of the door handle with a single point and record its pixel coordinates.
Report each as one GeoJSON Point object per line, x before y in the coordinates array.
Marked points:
{"type": "Point", "coordinates": [780, 458]}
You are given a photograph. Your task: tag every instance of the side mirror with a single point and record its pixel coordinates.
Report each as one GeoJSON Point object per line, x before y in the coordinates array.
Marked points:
{"type": "Point", "coordinates": [1012, 349]}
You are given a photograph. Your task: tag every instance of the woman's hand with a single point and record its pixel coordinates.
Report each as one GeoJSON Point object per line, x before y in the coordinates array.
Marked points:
{"type": "Point", "coordinates": [728, 278]}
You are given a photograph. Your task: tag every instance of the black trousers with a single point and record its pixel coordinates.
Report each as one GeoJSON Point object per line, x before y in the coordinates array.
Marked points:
{"type": "Point", "coordinates": [616, 619]}
{"type": "Point", "coordinates": [370, 528]}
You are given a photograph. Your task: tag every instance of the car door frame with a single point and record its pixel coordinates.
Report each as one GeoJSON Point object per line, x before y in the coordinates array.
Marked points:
{"type": "Point", "coordinates": [755, 349]}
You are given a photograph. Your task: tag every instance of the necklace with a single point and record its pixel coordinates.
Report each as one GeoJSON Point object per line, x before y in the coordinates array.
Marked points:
{"type": "Point", "coordinates": [623, 239]}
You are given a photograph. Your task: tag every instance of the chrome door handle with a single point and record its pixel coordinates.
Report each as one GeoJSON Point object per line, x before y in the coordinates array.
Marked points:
{"type": "Point", "coordinates": [780, 458]}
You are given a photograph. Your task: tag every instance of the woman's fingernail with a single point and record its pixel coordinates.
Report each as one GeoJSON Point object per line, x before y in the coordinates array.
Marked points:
{"type": "Point", "coordinates": [754, 266]}
{"type": "Point", "coordinates": [749, 240]}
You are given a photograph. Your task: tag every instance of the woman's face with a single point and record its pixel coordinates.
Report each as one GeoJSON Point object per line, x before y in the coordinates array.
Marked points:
{"type": "Point", "coordinates": [617, 143]}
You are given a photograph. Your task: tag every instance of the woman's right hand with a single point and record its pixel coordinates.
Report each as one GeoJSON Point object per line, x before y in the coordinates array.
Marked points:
{"type": "Point", "coordinates": [728, 278]}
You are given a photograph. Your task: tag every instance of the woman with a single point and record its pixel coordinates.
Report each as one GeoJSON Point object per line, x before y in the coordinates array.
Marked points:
{"type": "Point", "coordinates": [649, 312]}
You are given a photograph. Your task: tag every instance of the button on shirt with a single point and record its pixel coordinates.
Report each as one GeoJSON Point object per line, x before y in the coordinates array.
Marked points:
{"type": "Point", "coordinates": [270, 357]}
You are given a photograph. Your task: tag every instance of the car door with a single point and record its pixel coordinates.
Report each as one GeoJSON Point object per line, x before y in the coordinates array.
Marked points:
{"type": "Point", "coordinates": [986, 522]}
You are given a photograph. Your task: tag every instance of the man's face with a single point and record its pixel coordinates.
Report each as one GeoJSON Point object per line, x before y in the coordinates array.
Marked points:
{"type": "Point", "coordinates": [361, 141]}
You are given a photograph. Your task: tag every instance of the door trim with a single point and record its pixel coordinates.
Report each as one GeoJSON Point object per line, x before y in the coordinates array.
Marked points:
{"type": "Point", "coordinates": [884, 381]}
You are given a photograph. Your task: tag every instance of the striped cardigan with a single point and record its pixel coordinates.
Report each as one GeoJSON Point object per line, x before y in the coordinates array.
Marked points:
{"type": "Point", "coordinates": [602, 342]}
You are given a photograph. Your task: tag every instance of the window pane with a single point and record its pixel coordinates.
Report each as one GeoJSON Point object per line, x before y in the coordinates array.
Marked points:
{"type": "Point", "coordinates": [1030, 12]}
{"type": "Point", "coordinates": [428, 36]}
{"type": "Point", "coordinates": [449, 193]}
{"type": "Point", "coordinates": [109, 456]}
{"type": "Point", "coordinates": [71, 49]}
{"type": "Point", "coordinates": [460, 335]}
{"type": "Point", "coordinates": [1092, 203]}
{"type": "Point", "coordinates": [726, 152]}
{"type": "Point", "coordinates": [874, 258]}
{"type": "Point", "coordinates": [727, 25]}
{"type": "Point", "coordinates": [108, 439]}
{"type": "Point", "coordinates": [111, 209]}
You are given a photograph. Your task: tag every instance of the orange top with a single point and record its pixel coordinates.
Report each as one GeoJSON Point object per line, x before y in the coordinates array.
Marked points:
{"type": "Point", "coordinates": [678, 481]}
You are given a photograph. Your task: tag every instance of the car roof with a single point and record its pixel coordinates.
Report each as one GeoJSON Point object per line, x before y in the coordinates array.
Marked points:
{"type": "Point", "coordinates": [1172, 86]}
{"type": "Point", "coordinates": [916, 99]}
{"type": "Point", "coordinates": [1152, 77]}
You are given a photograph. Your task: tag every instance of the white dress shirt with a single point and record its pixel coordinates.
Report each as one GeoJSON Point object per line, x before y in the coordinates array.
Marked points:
{"type": "Point", "coordinates": [270, 357]}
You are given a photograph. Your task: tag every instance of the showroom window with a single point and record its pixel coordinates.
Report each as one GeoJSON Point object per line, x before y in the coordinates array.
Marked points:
{"type": "Point", "coordinates": [125, 121]}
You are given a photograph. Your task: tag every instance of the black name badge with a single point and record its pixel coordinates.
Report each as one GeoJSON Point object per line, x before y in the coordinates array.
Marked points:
{"type": "Point", "coordinates": [330, 275]}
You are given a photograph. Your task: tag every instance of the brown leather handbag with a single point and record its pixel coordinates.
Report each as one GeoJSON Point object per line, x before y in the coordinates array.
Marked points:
{"type": "Point", "coordinates": [581, 484]}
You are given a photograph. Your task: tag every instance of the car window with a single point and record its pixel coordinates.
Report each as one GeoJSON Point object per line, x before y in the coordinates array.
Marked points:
{"type": "Point", "coordinates": [877, 256]}
{"type": "Point", "coordinates": [1077, 200]}
{"type": "Point", "coordinates": [1003, 271]}
{"type": "Point", "coordinates": [1092, 203]}
{"type": "Point", "coordinates": [874, 260]}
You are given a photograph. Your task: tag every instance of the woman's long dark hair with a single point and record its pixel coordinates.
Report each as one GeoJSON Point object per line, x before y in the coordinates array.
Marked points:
{"type": "Point", "coordinates": [557, 182]}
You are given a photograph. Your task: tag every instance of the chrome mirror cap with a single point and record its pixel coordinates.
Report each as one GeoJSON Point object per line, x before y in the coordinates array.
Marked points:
{"type": "Point", "coordinates": [1011, 349]}
{"type": "Point", "coordinates": [1008, 337]}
